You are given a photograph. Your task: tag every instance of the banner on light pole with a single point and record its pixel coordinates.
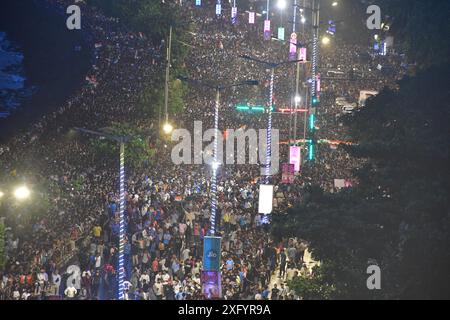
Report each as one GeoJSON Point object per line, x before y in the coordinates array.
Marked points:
{"type": "Point", "coordinates": [267, 34]}
{"type": "Point", "coordinates": [293, 46]}
{"type": "Point", "coordinates": [251, 17]}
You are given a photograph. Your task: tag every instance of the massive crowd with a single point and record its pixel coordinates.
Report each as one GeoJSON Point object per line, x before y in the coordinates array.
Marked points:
{"type": "Point", "coordinates": [167, 206]}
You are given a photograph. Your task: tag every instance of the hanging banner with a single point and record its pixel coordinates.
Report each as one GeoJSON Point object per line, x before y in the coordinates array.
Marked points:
{"type": "Point", "coordinates": [211, 287]}
{"type": "Point", "coordinates": [211, 254]}
{"type": "Point", "coordinates": [281, 33]}
{"type": "Point", "coordinates": [233, 15]}
{"type": "Point", "coordinates": [293, 46]}
{"type": "Point", "coordinates": [251, 17]}
{"type": "Point", "coordinates": [295, 157]}
{"type": "Point", "coordinates": [288, 173]}
{"type": "Point", "coordinates": [218, 9]}
{"type": "Point", "coordinates": [267, 34]}
{"type": "Point", "coordinates": [303, 54]}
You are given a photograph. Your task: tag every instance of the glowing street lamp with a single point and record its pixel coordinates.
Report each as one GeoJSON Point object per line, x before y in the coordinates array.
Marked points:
{"type": "Point", "coordinates": [1, 194]}
{"type": "Point", "coordinates": [22, 193]}
{"type": "Point", "coordinates": [326, 41]}
{"type": "Point", "coordinates": [335, 4]}
{"type": "Point", "coordinates": [167, 128]}
{"type": "Point", "coordinates": [281, 4]}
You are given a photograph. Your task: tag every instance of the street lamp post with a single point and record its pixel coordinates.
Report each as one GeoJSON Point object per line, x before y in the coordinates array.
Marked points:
{"type": "Point", "coordinates": [122, 232]}
{"type": "Point", "coordinates": [215, 167]}
{"type": "Point", "coordinates": [272, 67]}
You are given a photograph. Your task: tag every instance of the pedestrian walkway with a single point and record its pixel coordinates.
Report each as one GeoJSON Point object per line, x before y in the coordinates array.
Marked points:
{"type": "Point", "coordinates": [307, 259]}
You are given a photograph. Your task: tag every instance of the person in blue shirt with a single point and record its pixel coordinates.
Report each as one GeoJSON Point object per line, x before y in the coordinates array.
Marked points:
{"type": "Point", "coordinates": [265, 293]}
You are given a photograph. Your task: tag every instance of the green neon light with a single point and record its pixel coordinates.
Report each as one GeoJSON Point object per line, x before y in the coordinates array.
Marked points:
{"type": "Point", "coordinates": [311, 122]}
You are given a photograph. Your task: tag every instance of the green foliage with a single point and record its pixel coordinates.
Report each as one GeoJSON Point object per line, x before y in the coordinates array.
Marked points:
{"type": "Point", "coordinates": [313, 288]}
{"type": "Point", "coordinates": [137, 150]}
{"type": "Point", "coordinates": [422, 27]}
{"type": "Point", "coordinates": [398, 215]}
{"type": "Point", "coordinates": [152, 98]}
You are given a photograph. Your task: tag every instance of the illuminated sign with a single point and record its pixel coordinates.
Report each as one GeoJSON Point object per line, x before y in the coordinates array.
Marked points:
{"type": "Point", "coordinates": [265, 204]}
{"type": "Point", "coordinates": [198, 2]}
{"type": "Point", "coordinates": [288, 173]}
{"type": "Point", "coordinates": [211, 284]}
{"type": "Point", "coordinates": [211, 254]}
{"type": "Point", "coordinates": [293, 46]}
{"type": "Point", "coordinates": [251, 17]}
{"type": "Point", "coordinates": [303, 54]}
{"type": "Point", "coordinates": [267, 34]}
{"type": "Point", "coordinates": [233, 15]}
{"type": "Point", "coordinates": [218, 9]}
{"type": "Point", "coordinates": [281, 33]}
{"type": "Point", "coordinates": [295, 157]}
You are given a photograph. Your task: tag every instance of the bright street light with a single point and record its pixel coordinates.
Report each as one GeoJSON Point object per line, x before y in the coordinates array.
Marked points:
{"type": "Point", "coordinates": [167, 128]}
{"type": "Point", "coordinates": [22, 193]}
{"type": "Point", "coordinates": [326, 41]}
{"type": "Point", "coordinates": [1, 194]}
{"type": "Point", "coordinates": [335, 4]}
{"type": "Point", "coordinates": [303, 20]}
{"type": "Point", "coordinates": [298, 99]}
{"type": "Point", "coordinates": [281, 4]}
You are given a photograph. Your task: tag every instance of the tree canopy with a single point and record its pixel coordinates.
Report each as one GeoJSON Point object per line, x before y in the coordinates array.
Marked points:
{"type": "Point", "coordinates": [398, 216]}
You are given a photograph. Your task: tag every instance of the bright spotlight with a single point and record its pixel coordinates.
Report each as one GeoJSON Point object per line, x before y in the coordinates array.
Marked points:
{"type": "Point", "coordinates": [281, 4]}
{"type": "Point", "coordinates": [335, 4]}
{"type": "Point", "coordinates": [326, 41]}
{"type": "Point", "coordinates": [303, 20]}
{"type": "Point", "coordinates": [298, 99]}
{"type": "Point", "coordinates": [22, 193]}
{"type": "Point", "coordinates": [167, 128]}
{"type": "Point", "coordinates": [1, 194]}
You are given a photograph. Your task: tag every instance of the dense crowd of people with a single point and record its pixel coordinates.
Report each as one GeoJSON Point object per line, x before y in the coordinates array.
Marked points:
{"type": "Point", "coordinates": [70, 248]}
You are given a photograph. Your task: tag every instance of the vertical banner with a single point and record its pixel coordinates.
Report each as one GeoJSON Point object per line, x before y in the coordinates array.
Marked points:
{"type": "Point", "coordinates": [218, 9]}
{"type": "Point", "coordinates": [295, 157]}
{"type": "Point", "coordinates": [211, 284]}
{"type": "Point", "coordinates": [288, 173]}
{"type": "Point", "coordinates": [198, 2]}
{"type": "Point", "coordinates": [293, 46]}
{"type": "Point", "coordinates": [303, 54]}
{"type": "Point", "coordinates": [318, 84]}
{"type": "Point", "coordinates": [211, 254]}
{"type": "Point", "coordinates": [234, 15]}
{"type": "Point", "coordinates": [281, 33]}
{"type": "Point", "coordinates": [267, 34]}
{"type": "Point", "coordinates": [251, 17]}
{"type": "Point", "coordinates": [265, 204]}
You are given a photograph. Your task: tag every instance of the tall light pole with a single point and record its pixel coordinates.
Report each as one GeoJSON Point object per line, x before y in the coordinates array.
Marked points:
{"type": "Point", "coordinates": [272, 67]}
{"type": "Point", "coordinates": [211, 243]}
{"type": "Point", "coordinates": [122, 232]}
{"type": "Point", "coordinates": [167, 127]}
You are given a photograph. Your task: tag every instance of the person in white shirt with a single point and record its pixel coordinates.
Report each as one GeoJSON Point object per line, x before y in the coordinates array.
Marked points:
{"type": "Point", "coordinates": [158, 288]}
{"type": "Point", "coordinates": [56, 281]}
{"type": "Point", "coordinates": [145, 277]}
{"type": "Point", "coordinates": [25, 295]}
{"type": "Point", "coordinates": [70, 292]}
